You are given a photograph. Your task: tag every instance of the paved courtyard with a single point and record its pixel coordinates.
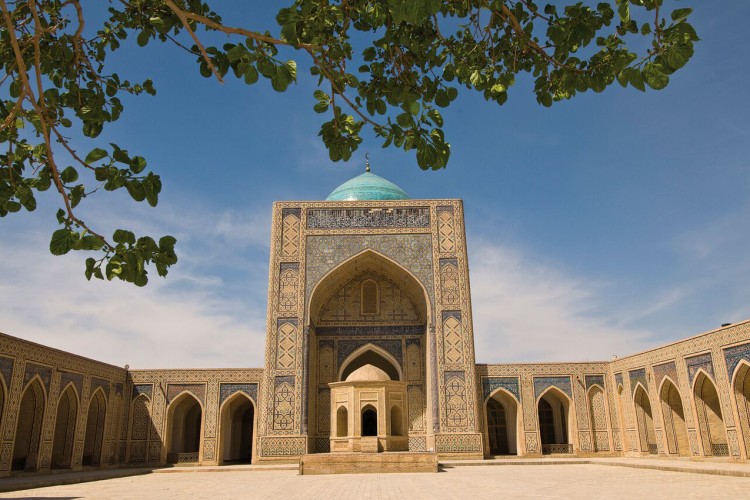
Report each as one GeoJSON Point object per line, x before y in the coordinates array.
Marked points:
{"type": "Point", "coordinates": [517, 481]}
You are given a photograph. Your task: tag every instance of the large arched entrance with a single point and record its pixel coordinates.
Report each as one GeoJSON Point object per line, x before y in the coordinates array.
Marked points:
{"type": "Point", "coordinates": [502, 415]}
{"type": "Point", "coordinates": [741, 387]}
{"type": "Point", "coordinates": [92, 445]}
{"type": "Point", "coordinates": [674, 419]}
{"type": "Point", "coordinates": [710, 421]}
{"type": "Point", "coordinates": [184, 424]}
{"type": "Point", "coordinates": [29, 427]}
{"type": "Point", "coordinates": [237, 429]}
{"type": "Point", "coordinates": [553, 412]}
{"type": "Point", "coordinates": [645, 421]}
{"type": "Point", "coordinates": [65, 428]}
{"type": "Point", "coordinates": [368, 310]}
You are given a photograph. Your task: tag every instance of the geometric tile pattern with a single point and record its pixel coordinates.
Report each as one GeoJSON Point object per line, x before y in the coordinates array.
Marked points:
{"type": "Point", "coordinates": [510, 384]}
{"type": "Point", "coordinates": [6, 369]}
{"type": "Point", "coordinates": [594, 380]}
{"type": "Point", "coordinates": [44, 372]}
{"type": "Point", "coordinates": [636, 376]}
{"type": "Point", "coordinates": [665, 370]}
{"type": "Point", "coordinates": [733, 356]}
{"type": "Point", "coordinates": [226, 390]}
{"type": "Point", "coordinates": [702, 361]}
{"type": "Point", "coordinates": [541, 384]}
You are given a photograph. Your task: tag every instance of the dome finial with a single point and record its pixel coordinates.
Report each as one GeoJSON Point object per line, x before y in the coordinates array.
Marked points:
{"type": "Point", "coordinates": [367, 162]}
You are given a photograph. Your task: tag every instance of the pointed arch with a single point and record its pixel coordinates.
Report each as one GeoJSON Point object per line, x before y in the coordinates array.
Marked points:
{"type": "Point", "coordinates": [237, 428]}
{"type": "Point", "coordinates": [371, 354]}
{"type": "Point", "coordinates": [597, 407]}
{"type": "Point", "coordinates": [644, 420]}
{"type": "Point", "coordinates": [3, 397]}
{"type": "Point", "coordinates": [184, 437]}
{"type": "Point", "coordinates": [369, 417]}
{"type": "Point", "coordinates": [713, 433]}
{"type": "Point", "coordinates": [503, 428]}
{"type": "Point", "coordinates": [397, 420]}
{"type": "Point", "coordinates": [673, 415]}
{"type": "Point", "coordinates": [741, 394]}
{"type": "Point", "coordinates": [65, 428]}
{"type": "Point", "coordinates": [368, 258]}
{"type": "Point", "coordinates": [94, 439]}
{"type": "Point", "coordinates": [29, 425]}
{"type": "Point", "coordinates": [553, 421]}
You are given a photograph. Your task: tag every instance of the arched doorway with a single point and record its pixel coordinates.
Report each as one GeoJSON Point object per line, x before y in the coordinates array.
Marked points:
{"type": "Point", "coordinates": [741, 388]}
{"type": "Point", "coordinates": [710, 421]}
{"type": "Point", "coordinates": [65, 428]}
{"type": "Point", "coordinates": [552, 411]}
{"type": "Point", "coordinates": [502, 411]}
{"type": "Point", "coordinates": [237, 429]}
{"type": "Point", "coordinates": [598, 416]}
{"type": "Point", "coordinates": [369, 421]}
{"type": "Point", "coordinates": [674, 419]}
{"type": "Point", "coordinates": [29, 427]}
{"type": "Point", "coordinates": [645, 421]}
{"type": "Point", "coordinates": [92, 445]}
{"type": "Point", "coordinates": [184, 423]}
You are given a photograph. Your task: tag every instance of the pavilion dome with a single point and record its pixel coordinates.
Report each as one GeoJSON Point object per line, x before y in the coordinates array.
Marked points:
{"type": "Point", "coordinates": [367, 186]}
{"type": "Point", "coordinates": [368, 373]}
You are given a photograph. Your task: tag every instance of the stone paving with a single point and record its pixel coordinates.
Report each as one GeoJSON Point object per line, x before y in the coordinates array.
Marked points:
{"type": "Point", "coordinates": [465, 482]}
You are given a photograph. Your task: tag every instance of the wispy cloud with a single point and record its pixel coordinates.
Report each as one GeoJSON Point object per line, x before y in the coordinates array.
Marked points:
{"type": "Point", "coordinates": [196, 317]}
{"type": "Point", "coordinates": [525, 310]}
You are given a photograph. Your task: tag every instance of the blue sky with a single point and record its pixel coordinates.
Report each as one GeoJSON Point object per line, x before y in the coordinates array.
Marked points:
{"type": "Point", "coordinates": [608, 224]}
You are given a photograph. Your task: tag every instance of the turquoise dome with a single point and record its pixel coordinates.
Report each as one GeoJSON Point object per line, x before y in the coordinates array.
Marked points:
{"type": "Point", "coordinates": [367, 186]}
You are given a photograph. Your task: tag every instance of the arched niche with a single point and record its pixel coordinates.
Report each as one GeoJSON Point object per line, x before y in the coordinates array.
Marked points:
{"type": "Point", "coordinates": [673, 414]}
{"type": "Point", "coordinates": [184, 429]}
{"type": "Point", "coordinates": [94, 439]}
{"type": "Point", "coordinates": [710, 420]}
{"type": "Point", "coordinates": [237, 429]}
{"type": "Point", "coordinates": [553, 412]}
{"type": "Point", "coordinates": [597, 404]}
{"type": "Point", "coordinates": [501, 415]}
{"type": "Point", "coordinates": [29, 426]}
{"type": "Point", "coordinates": [373, 355]}
{"type": "Point", "coordinates": [397, 421]}
{"type": "Point", "coordinates": [65, 428]}
{"type": "Point", "coordinates": [342, 422]}
{"type": "Point", "coordinates": [139, 428]}
{"type": "Point", "coordinates": [369, 422]}
{"type": "Point", "coordinates": [644, 418]}
{"type": "Point", "coordinates": [369, 260]}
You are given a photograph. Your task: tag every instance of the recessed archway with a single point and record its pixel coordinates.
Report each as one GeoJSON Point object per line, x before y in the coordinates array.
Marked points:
{"type": "Point", "coordinates": [29, 427]}
{"type": "Point", "coordinates": [598, 416]}
{"type": "Point", "coordinates": [65, 428]}
{"type": "Point", "coordinates": [741, 389]}
{"type": "Point", "coordinates": [553, 409]}
{"type": "Point", "coordinates": [645, 421]}
{"type": "Point", "coordinates": [673, 414]}
{"type": "Point", "coordinates": [502, 421]}
{"type": "Point", "coordinates": [237, 431]}
{"type": "Point", "coordinates": [92, 445]}
{"type": "Point", "coordinates": [342, 422]}
{"type": "Point", "coordinates": [710, 421]}
{"type": "Point", "coordinates": [371, 354]}
{"type": "Point", "coordinates": [397, 421]}
{"type": "Point", "coordinates": [184, 426]}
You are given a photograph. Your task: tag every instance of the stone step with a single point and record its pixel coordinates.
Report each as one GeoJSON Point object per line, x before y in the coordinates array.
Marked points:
{"type": "Point", "coordinates": [369, 463]}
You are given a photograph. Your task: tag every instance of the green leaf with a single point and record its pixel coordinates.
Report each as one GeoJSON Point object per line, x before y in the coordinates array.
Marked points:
{"type": "Point", "coordinates": [61, 242]}
{"type": "Point", "coordinates": [654, 76]}
{"type": "Point", "coordinates": [123, 236]}
{"type": "Point", "coordinates": [69, 175]}
{"type": "Point", "coordinates": [95, 154]}
{"type": "Point", "coordinates": [680, 14]}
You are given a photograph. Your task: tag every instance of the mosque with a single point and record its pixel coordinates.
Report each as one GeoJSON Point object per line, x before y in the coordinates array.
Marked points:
{"type": "Point", "coordinates": [370, 353]}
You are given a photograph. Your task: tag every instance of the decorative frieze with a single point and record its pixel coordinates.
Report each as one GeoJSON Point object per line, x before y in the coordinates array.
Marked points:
{"type": "Point", "coordinates": [356, 218]}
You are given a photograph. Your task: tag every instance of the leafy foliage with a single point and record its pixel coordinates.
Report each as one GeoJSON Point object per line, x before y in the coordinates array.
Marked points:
{"type": "Point", "coordinates": [389, 65]}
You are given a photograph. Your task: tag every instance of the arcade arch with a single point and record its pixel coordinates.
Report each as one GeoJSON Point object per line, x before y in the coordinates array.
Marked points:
{"type": "Point", "coordinates": [184, 429]}
{"type": "Point", "coordinates": [29, 427]}
{"type": "Point", "coordinates": [501, 415]}
{"type": "Point", "coordinates": [673, 415]}
{"type": "Point", "coordinates": [741, 389]}
{"type": "Point", "coordinates": [65, 428]}
{"type": "Point", "coordinates": [237, 429]}
{"type": "Point", "coordinates": [553, 412]}
{"type": "Point", "coordinates": [710, 421]}
{"type": "Point", "coordinates": [92, 444]}
{"type": "Point", "coordinates": [645, 421]}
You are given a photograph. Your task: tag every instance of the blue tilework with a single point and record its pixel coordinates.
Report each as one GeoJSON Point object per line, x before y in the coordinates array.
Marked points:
{"type": "Point", "coordinates": [541, 384]}
{"type": "Point", "coordinates": [226, 390]}
{"type": "Point", "coordinates": [510, 384]}
{"type": "Point", "coordinates": [695, 363]}
{"type": "Point", "coordinates": [733, 356]}
{"type": "Point", "coordinates": [594, 380]}
{"type": "Point", "coordinates": [636, 376]}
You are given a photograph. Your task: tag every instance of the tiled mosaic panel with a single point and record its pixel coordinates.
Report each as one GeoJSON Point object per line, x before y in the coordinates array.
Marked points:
{"type": "Point", "coordinates": [541, 384]}
{"type": "Point", "coordinates": [733, 356]}
{"type": "Point", "coordinates": [700, 362]}
{"type": "Point", "coordinates": [637, 376]}
{"type": "Point", "coordinates": [510, 384]}
{"type": "Point", "coordinates": [458, 443]}
{"type": "Point", "coordinates": [594, 380]}
{"type": "Point", "coordinates": [346, 218]}
{"type": "Point", "coordinates": [226, 390]}
{"type": "Point", "coordinates": [665, 370]}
